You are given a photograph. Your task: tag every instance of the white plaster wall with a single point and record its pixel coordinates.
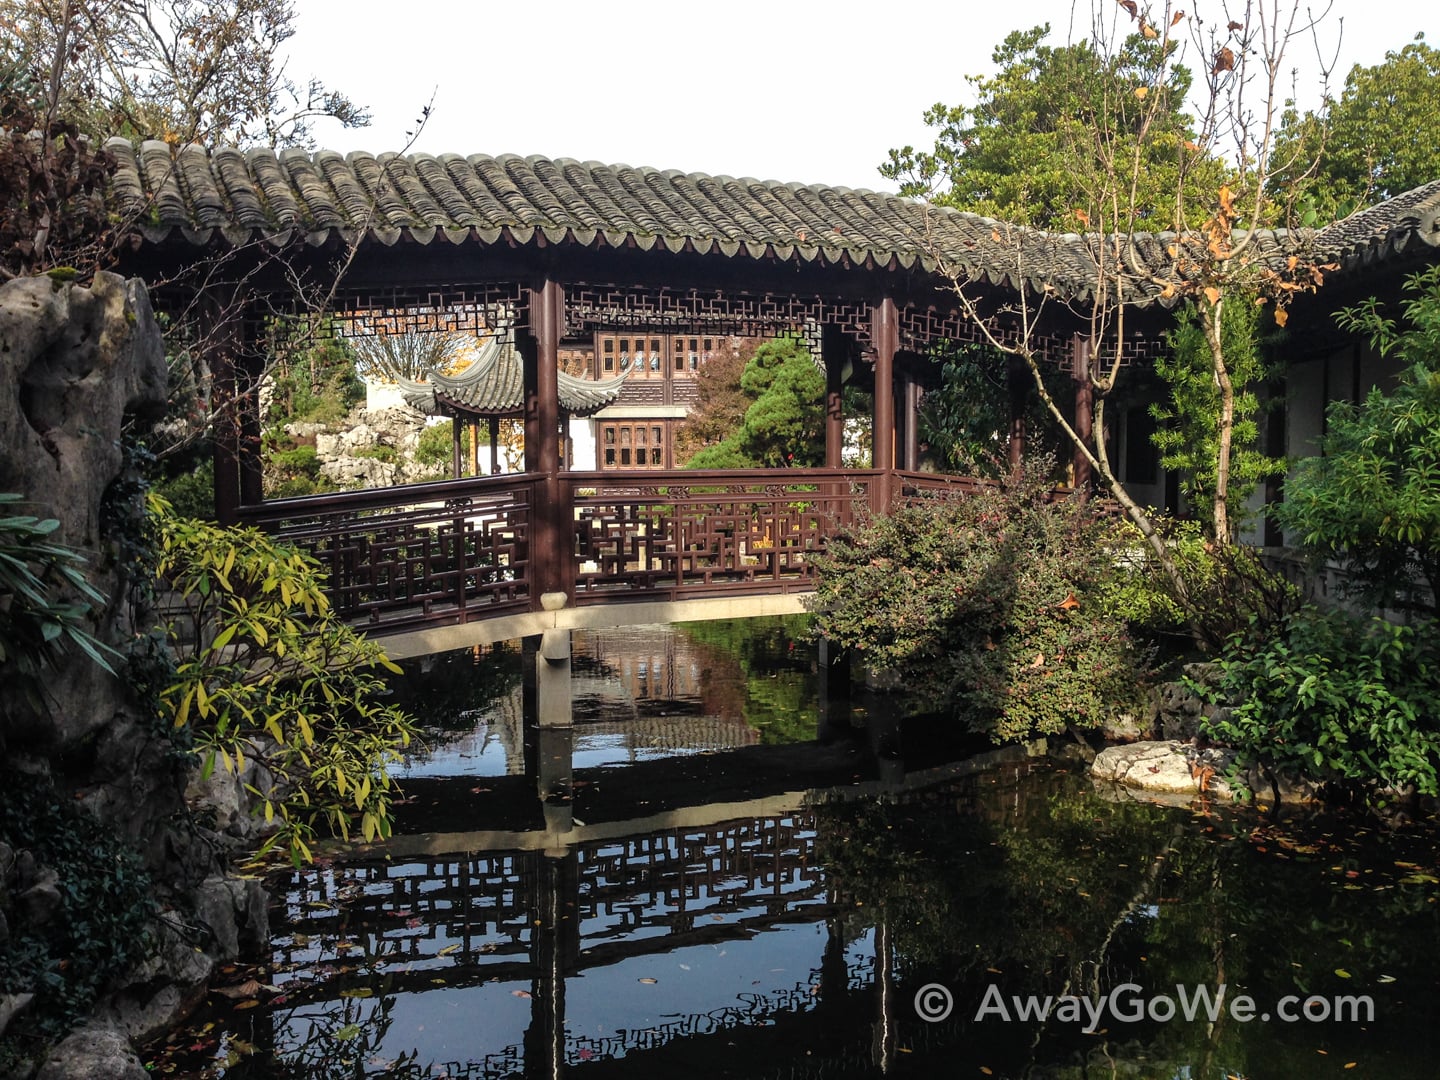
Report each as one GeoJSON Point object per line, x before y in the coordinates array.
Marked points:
{"type": "Point", "coordinates": [582, 444]}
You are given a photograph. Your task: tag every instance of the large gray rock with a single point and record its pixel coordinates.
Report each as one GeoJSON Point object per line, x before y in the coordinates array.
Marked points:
{"type": "Point", "coordinates": [92, 1053]}
{"type": "Point", "coordinates": [1170, 768]}
{"type": "Point", "coordinates": [75, 363]}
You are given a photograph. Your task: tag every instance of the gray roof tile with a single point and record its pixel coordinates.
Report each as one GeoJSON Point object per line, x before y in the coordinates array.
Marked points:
{"type": "Point", "coordinates": [489, 200]}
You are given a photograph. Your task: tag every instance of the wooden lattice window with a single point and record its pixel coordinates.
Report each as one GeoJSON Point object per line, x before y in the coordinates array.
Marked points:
{"type": "Point", "coordinates": [633, 445]}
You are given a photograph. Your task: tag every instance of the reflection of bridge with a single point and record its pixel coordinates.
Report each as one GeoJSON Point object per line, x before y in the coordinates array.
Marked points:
{"type": "Point", "coordinates": [544, 916]}
{"type": "Point", "coordinates": [453, 914]}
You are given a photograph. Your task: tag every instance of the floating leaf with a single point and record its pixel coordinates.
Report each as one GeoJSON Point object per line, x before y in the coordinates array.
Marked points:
{"type": "Point", "coordinates": [1342, 973]}
{"type": "Point", "coordinates": [348, 1032]}
{"type": "Point", "coordinates": [648, 981]}
{"type": "Point", "coordinates": [520, 994]}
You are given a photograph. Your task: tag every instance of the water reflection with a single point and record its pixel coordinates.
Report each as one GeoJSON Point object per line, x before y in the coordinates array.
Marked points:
{"type": "Point", "coordinates": [768, 911]}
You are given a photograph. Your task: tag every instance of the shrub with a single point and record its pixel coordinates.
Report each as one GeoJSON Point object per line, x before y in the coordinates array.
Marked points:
{"type": "Point", "coordinates": [266, 673]}
{"type": "Point", "coordinates": [1336, 698]}
{"type": "Point", "coordinates": [988, 603]}
{"type": "Point", "coordinates": [1372, 499]}
{"type": "Point", "coordinates": [46, 603]}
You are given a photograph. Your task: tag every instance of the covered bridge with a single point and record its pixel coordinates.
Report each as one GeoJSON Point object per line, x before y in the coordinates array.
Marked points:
{"type": "Point", "coordinates": [564, 249]}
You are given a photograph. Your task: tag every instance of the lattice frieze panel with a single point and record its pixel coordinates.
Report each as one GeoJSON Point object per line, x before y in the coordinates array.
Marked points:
{"type": "Point", "coordinates": [417, 561]}
{"type": "Point", "coordinates": [474, 310]}
{"type": "Point", "coordinates": [611, 307]}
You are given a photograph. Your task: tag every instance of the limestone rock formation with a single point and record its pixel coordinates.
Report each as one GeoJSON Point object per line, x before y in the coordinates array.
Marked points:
{"type": "Point", "coordinates": [77, 363]}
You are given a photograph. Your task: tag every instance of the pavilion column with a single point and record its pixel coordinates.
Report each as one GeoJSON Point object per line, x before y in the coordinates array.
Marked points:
{"type": "Point", "coordinates": [456, 458]}
{"type": "Point", "coordinates": [474, 426]}
{"type": "Point", "coordinates": [235, 408]}
{"type": "Point", "coordinates": [1017, 379]}
{"type": "Point", "coordinates": [833, 352]}
{"type": "Point", "coordinates": [552, 523]}
{"type": "Point", "coordinates": [884, 343]}
{"type": "Point", "coordinates": [1084, 409]}
{"type": "Point", "coordinates": [494, 444]}
{"type": "Point", "coordinates": [908, 422]}
{"type": "Point", "coordinates": [252, 464]}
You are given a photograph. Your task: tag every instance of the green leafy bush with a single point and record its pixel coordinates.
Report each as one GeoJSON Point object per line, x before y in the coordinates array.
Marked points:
{"type": "Point", "coordinates": [45, 600]}
{"type": "Point", "coordinates": [988, 605]}
{"type": "Point", "coordinates": [1229, 590]}
{"type": "Point", "coordinates": [1372, 499]}
{"type": "Point", "coordinates": [1338, 699]}
{"type": "Point", "coordinates": [267, 674]}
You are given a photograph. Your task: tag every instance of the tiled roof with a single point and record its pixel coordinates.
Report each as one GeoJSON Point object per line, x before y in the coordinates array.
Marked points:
{"type": "Point", "coordinates": [1408, 223]}
{"type": "Point", "coordinates": [493, 385]}
{"type": "Point", "coordinates": [201, 195]}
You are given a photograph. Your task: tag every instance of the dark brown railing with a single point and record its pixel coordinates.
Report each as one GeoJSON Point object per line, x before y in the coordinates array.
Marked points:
{"type": "Point", "coordinates": [446, 552]}
{"type": "Point", "coordinates": [682, 533]}
{"type": "Point", "coordinates": [460, 550]}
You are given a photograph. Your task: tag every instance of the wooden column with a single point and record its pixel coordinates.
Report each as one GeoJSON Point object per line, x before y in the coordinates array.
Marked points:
{"type": "Point", "coordinates": [1084, 409]}
{"type": "Point", "coordinates": [908, 422]}
{"type": "Point", "coordinates": [552, 525]}
{"type": "Point", "coordinates": [455, 455]}
{"type": "Point", "coordinates": [1017, 379]}
{"type": "Point", "coordinates": [833, 351]}
{"type": "Point", "coordinates": [224, 348]}
{"type": "Point", "coordinates": [494, 444]}
{"type": "Point", "coordinates": [474, 426]}
{"type": "Point", "coordinates": [224, 400]}
{"type": "Point", "coordinates": [884, 342]}
{"type": "Point", "coordinates": [252, 463]}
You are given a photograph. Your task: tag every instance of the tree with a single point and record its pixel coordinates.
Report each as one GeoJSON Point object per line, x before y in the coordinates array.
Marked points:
{"type": "Point", "coordinates": [1372, 498]}
{"type": "Point", "coordinates": [1024, 152]}
{"type": "Point", "coordinates": [409, 354]}
{"type": "Point", "coordinates": [267, 674]}
{"type": "Point", "coordinates": [784, 425]}
{"type": "Point", "coordinates": [178, 70]}
{"type": "Point", "coordinates": [1218, 198]}
{"type": "Point", "coordinates": [720, 404]}
{"type": "Point", "coordinates": [1380, 138]}
{"type": "Point", "coordinates": [1188, 423]}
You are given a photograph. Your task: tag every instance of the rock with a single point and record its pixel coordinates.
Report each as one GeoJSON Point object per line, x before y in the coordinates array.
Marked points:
{"type": "Point", "coordinates": [1169, 767]}
{"type": "Point", "coordinates": [41, 901]}
{"type": "Point", "coordinates": [11, 1006]}
{"type": "Point", "coordinates": [75, 364]}
{"type": "Point", "coordinates": [1126, 727]}
{"type": "Point", "coordinates": [235, 912]}
{"type": "Point", "coordinates": [92, 1052]}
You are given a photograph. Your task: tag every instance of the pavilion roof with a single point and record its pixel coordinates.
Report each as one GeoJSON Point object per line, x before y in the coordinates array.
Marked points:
{"type": "Point", "coordinates": [493, 384]}
{"type": "Point", "coordinates": [200, 195]}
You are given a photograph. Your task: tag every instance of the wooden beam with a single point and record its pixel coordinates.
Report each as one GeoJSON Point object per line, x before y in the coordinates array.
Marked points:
{"type": "Point", "coordinates": [1017, 379]}
{"type": "Point", "coordinates": [884, 343]}
{"type": "Point", "coordinates": [834, 351]}
{"type": "Point", "coordinates": [553, 525]}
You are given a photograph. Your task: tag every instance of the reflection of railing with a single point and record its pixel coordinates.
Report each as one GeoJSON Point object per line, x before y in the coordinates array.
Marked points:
{"type": "Point", "coordinates": [691, 533]}
{"type": "Point", "coordinates": [441, 552]}
{"type": "Point", "coordinates": [473, 917]}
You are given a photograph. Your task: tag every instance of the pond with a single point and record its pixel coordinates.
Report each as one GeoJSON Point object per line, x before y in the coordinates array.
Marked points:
{"type": "Point", "coordinates": [726, 879]}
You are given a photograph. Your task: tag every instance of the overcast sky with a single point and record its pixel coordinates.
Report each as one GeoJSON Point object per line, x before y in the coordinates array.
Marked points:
{"type": "Point", "coordinates": [810, 90]}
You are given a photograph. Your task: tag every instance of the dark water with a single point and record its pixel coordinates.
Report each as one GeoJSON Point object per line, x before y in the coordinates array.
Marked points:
{"type": "Point", "coordinates": [738, 886]}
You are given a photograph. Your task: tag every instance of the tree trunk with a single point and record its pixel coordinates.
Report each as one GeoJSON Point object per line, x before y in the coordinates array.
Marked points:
{"type": "Point", "coordinates": [1210, 316]}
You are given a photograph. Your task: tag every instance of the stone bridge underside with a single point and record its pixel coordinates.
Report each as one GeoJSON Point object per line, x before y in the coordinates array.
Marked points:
{"type": "Point", "coordinates": [548, 251]}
